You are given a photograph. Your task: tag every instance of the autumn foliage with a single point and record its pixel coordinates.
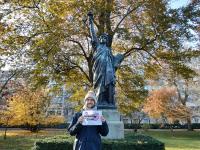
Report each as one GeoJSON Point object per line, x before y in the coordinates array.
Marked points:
{"type": "Point", "coordinates": [27, 107]}
{"type": "Point", "coordinates": [54, 38]}
{"type": "Point", "coordinates": [163, 103]}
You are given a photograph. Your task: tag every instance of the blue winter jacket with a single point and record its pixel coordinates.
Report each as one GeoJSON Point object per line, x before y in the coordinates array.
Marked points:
{"type": "Point", "coordinates": [87, 137]}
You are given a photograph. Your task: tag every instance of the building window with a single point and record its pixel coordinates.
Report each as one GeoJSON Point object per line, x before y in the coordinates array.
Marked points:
{"type": "Point", "coordinates": [51, 112]}
{"type": "Point", "coordinates": [59, 113]}
{"type": "Point", "coordinates": [125, 120]}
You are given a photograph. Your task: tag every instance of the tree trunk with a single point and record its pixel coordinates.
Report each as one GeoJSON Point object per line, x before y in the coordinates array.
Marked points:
{"type": "Point", "coordinates": [183, 101]}
{"type": "Point", "coordinates": [189, 124]}
{"type": "Point", "coordinates": [5, 133]}
{"type": "Point", "coordinates": [171, 129]}
{"type": "Point", "coordinates": [136, 127]}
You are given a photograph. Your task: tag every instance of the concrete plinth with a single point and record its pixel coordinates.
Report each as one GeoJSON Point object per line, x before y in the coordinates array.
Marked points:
{"type": "Point", "coordinates": [116, 127]}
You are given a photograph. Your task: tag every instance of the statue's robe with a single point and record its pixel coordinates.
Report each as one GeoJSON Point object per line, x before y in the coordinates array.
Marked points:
{"type": "Point", "coordinates": [105, 65]}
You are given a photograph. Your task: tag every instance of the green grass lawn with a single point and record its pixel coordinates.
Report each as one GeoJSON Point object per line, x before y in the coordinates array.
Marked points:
{"type": "Point", "coordinates": [182, 140]}
{"type": "Point", "coordinates": [23, 140]}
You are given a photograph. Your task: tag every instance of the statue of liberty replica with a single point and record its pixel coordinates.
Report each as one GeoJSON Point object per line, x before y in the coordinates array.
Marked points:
{"type": "Point", "coordinates": [104, 68]}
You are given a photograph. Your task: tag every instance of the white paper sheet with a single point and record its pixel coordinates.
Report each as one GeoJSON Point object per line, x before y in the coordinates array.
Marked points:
{"type": "Point", "coordinates": [92, 117]}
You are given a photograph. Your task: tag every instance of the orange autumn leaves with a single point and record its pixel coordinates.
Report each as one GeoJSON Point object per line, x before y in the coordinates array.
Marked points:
{"type": "Point", "coordinates": [164, 103]}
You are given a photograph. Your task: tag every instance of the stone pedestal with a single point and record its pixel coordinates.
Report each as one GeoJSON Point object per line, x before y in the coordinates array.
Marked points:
{"type": "Point", "coordinates": [116, 127]}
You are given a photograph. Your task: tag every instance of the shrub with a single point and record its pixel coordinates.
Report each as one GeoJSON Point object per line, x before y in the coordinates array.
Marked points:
{"type": "Point", "coordinates": [126, 126]}
{"type": "Point", "coordinates": [131, 142]}
{"type": "Point", "coordinates": [196, 126]}
{"type": "Point", "coordinates": [54, 143]}
{"type": "Point", "coordinates": [131, 126]}
{"type": "Point", "coordinates": [163, 126]}
{"type": "Point", "coordinates": [41, 126]}
{"type": "Point", "coordinates": [54, 120]}
{"type": "Point", "coordinates": [155, 126]}
{"type": "Point", "coordinates": [145, 127]}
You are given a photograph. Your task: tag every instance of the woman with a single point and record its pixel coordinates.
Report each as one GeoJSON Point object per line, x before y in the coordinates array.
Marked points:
{"type": "Point", "coordinates": [87, 137]}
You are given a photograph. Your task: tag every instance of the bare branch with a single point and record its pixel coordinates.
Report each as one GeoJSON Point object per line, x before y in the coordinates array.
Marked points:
{"type": "Point", "coordinates": [128, 53]}
{"type": "Point", "coordinates": [153, 57]}
{"type": "Point", "coordinates": [77, 66]}
{"type": "Point", "coordinates": [8, 79]}
{"type": "Point", "coordinates": [80, 45]}
{"type": "Point", "coordinates": [81, 69]}
{"type": "Point", "coordinates": [133, 49]}
{"type": "Point", "coordinates": [20, 7]}
{"type": "Point", "coordinates": [129, 11]}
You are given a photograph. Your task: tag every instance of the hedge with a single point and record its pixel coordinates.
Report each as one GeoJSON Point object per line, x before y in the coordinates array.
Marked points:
{"type": "Point", "coordinates": [162, 126]}
{"type": "Point", "coordinates": [131, 142]}
{"type": "Point", "coordinates": [41, 126]}
{"type": "Point", "coordinates": [126, 126]}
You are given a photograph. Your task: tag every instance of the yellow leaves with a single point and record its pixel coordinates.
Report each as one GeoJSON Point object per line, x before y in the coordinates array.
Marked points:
{"type": "Point", "coordinates": [27, 107]}
{"type": "Point", "coordinates": [5, 116]}
{"type": "Point", "coordinates": [54, 120]}
{"type": "Point", "coordinates": [130, 90]}
{"type": "Point", "coordinates": [78, 97]}
{"type": "Point", "coordinates": [76, 79]}
{"type": "Point", "coordinates": [152, 70]}
{"type": "Point", "coordinates": [54, 22]}
{"type": "Point", "coordinates": [2, 29]}
{"type": "Point", "coordinates": [39, 41]}
{"type": "Point", "coordinates": [23, 2]}
{"type": "Point", "coordinates": [120, 46]}
{"type": "Point", "coordinates": [60, 8]}
{"type": "Point", "coordinates": [20, 39]}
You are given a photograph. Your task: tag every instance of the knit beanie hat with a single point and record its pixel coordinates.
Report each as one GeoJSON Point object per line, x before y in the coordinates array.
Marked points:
{"type": "Point", "coordinates": [92, 95]}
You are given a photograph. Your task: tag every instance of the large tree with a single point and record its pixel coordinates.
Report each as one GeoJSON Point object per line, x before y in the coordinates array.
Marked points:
{"type": "Point", "coordinates": [26, 107]}
{"type": "Point", "coordinates": [163, 103]}
{"type": "Point", "coordinates": [53, 37]}
{"type": "Point", "coordinates": [186, 83]}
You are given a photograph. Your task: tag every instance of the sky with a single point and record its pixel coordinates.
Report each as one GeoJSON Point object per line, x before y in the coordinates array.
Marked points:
{"type": "Point", "coordinates": [178, 3]}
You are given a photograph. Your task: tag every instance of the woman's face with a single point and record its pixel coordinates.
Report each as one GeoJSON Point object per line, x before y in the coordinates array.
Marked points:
{"type": "Point", "coordinates": [90, 102]}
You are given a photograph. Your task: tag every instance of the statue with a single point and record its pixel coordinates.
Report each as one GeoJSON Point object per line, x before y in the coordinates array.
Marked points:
{"type": "Point", "coordinates": [105, 65]}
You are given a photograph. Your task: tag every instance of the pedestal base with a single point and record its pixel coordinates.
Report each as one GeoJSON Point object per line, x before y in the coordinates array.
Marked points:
{"type": "Point", "coordinates": [116, 127]}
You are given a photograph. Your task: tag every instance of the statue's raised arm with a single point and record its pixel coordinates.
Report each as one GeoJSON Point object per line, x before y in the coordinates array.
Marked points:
{"type": "Point", "coordinates": [104, 67]}
{"type": "Point", "coordinates": [92, 31]}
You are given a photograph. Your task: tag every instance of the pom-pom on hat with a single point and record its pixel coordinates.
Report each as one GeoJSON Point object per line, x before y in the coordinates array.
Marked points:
{"type": "Point", "coordinates": [92, 95]}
